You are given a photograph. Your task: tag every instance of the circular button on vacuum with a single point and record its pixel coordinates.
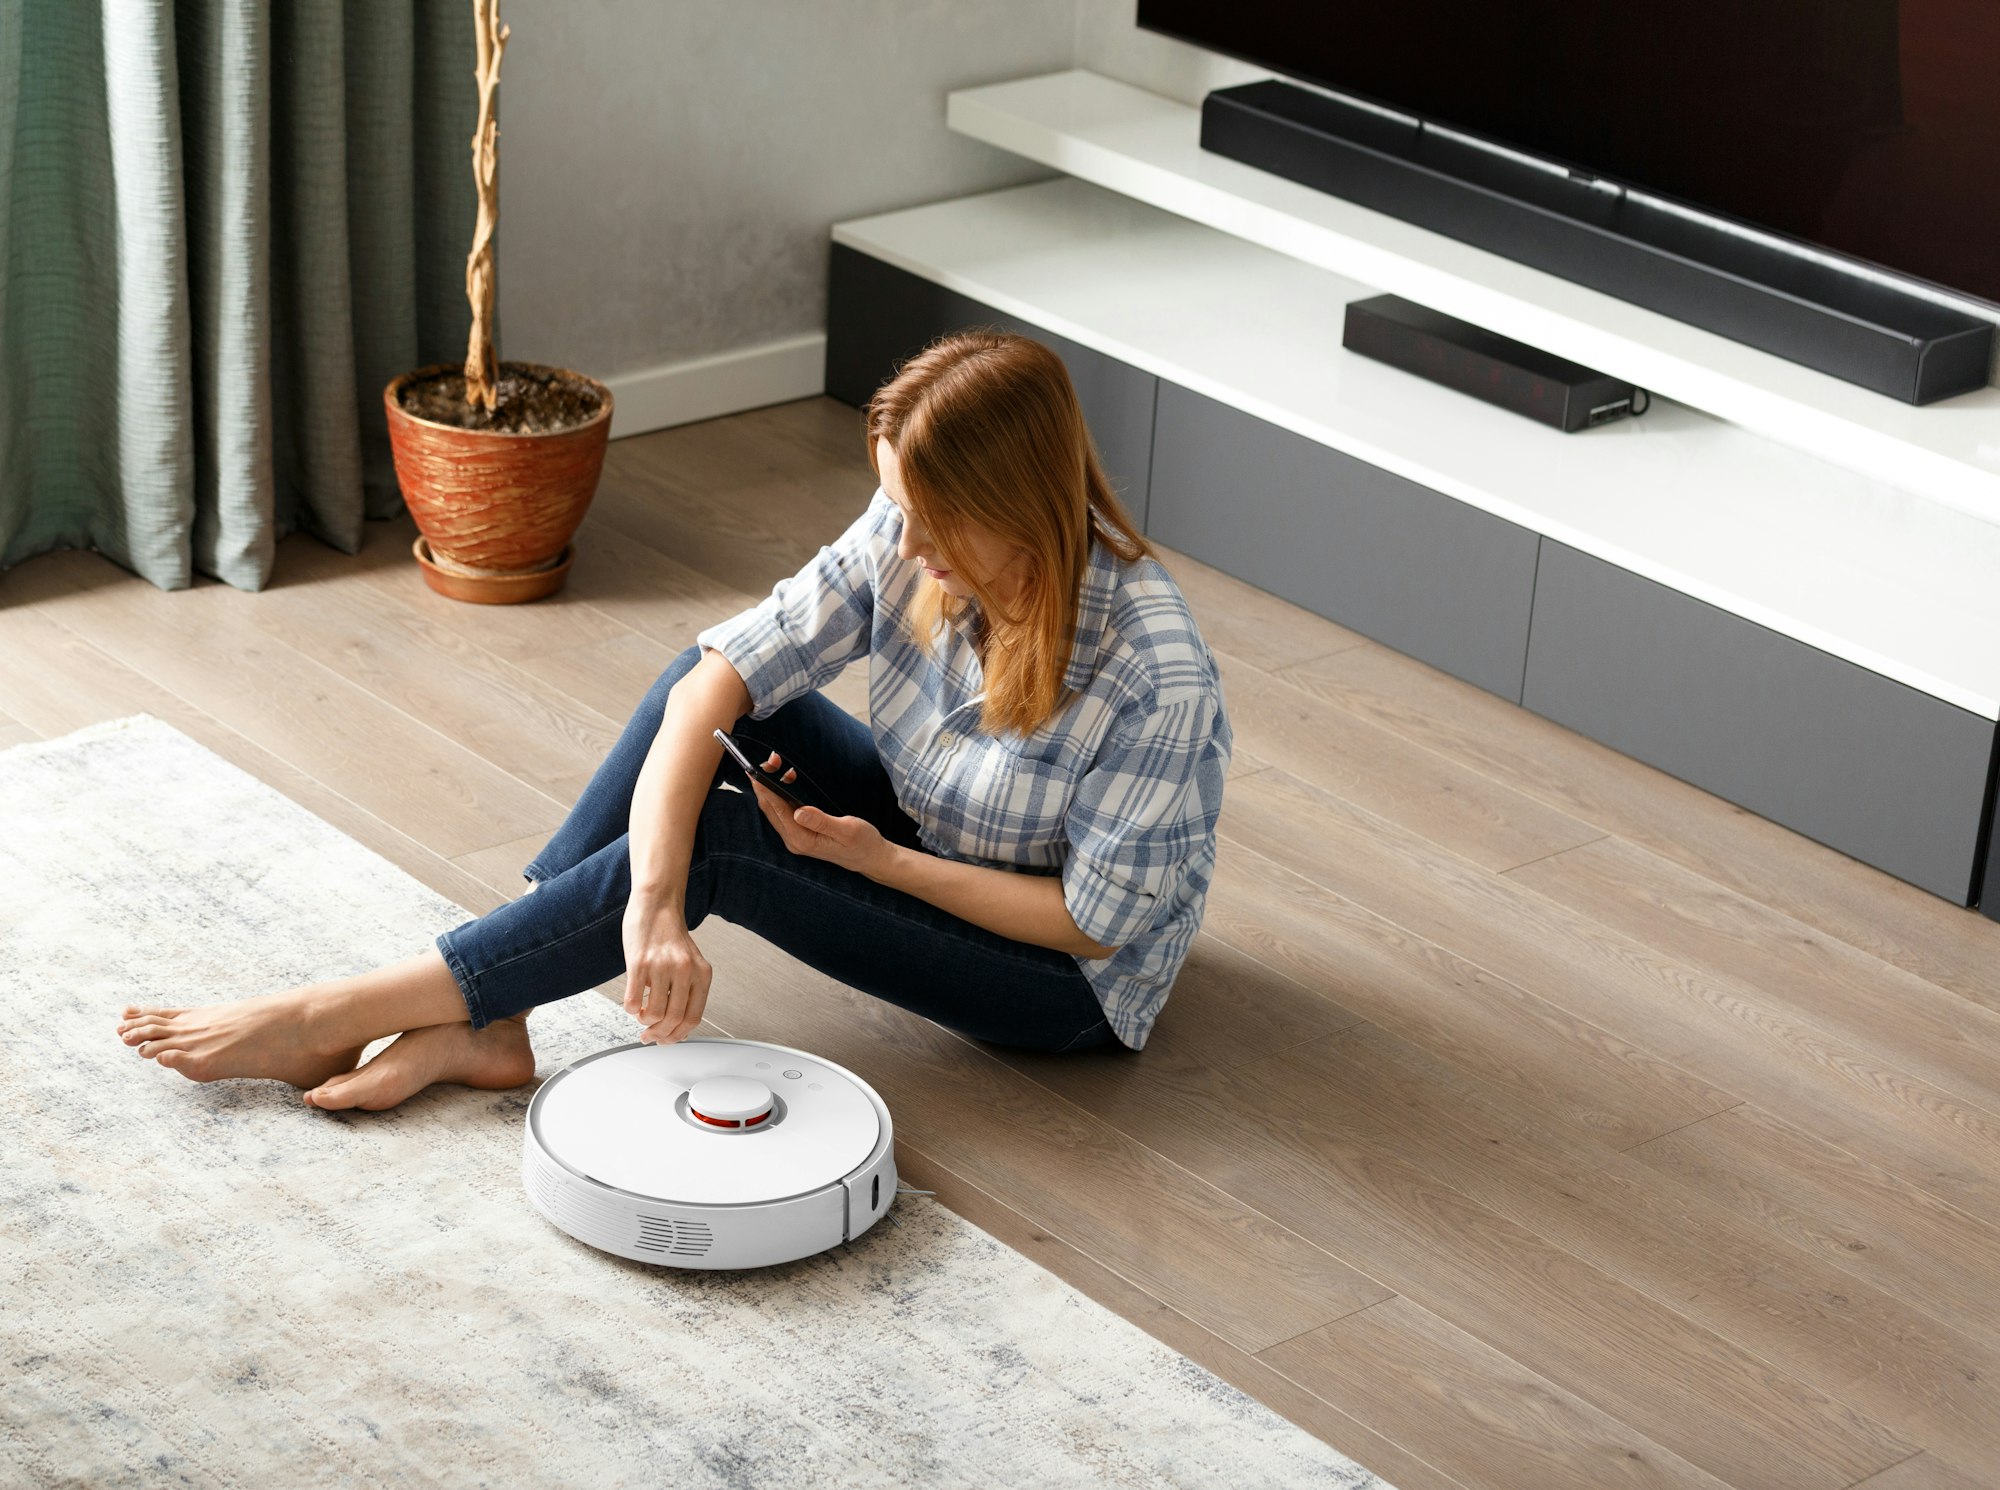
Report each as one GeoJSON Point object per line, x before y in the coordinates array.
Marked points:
{"type": "Point", "coordinates": [730, 1101]}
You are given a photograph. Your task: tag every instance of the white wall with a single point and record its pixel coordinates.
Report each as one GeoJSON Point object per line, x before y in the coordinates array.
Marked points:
{"type": "Point", "coordinates": [669, 172]}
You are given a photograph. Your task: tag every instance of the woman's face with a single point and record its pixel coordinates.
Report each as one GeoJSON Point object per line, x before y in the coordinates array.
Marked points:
{"type": "Point", "coordinates": [1000, 564]}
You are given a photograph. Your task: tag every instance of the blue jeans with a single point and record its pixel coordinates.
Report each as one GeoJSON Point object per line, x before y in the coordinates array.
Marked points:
{"type": "Point", "coordinates": [568, 935]}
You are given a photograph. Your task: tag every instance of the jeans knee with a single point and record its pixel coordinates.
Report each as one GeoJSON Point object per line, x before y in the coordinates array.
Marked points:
{"type": "Point", "coordinates": [683, 664]}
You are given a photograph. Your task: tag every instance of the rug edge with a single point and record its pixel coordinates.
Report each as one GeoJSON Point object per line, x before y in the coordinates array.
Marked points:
{"type": "Point", "coordinates": [83, 735]}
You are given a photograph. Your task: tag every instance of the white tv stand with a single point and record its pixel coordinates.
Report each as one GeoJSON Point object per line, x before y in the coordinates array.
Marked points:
{"type": "Point", "coordinates": [1228, 286]}
{"type": "Point", "coordinates": [1149, 148]}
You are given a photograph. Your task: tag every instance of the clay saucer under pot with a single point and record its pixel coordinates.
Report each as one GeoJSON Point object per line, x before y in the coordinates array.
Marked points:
{"type": "Point", "coordinates": [491, 586]}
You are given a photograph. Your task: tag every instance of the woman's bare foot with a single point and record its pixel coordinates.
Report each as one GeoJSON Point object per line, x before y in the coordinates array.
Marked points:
{"type": "Point", "coordinates": [303, 1035]}
{"type": "Point", "coordinates": [271, 1035]}
{"type": "Point", "coordinates": [495, 1058]}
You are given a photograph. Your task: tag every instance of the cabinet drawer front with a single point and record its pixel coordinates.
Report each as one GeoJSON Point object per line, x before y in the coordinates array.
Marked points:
{"type": "Point", "coordinates": [1421, 572]}
{"type": "Point", "coordinates": [879, 315]}
{"type": "Point", "coordinates": [1860, 762]}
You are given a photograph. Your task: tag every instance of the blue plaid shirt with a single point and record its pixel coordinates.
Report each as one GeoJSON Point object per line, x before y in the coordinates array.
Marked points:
{"type": "Point", "coordinates": [1117, 792]}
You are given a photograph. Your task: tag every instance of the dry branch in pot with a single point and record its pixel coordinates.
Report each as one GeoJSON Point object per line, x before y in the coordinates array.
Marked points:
{"type": "Point", "coordinates": [481, 374]}
{"type": "Point", "coordinates": [497, 461]}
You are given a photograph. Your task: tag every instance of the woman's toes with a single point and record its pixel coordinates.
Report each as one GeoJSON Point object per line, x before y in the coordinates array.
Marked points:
{"type": "Point", "coordinates": [134, 1011]}
{"type": "Point", "coordinates": [328, 1092]}
{"type": "Point", "coordinates": [191, 1064]}
{"type": "Point", "coordinates": [371, 1087]}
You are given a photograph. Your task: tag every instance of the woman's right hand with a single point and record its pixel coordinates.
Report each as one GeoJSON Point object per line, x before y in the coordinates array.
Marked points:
{"type": "Point", "coordinates": [666, 977]}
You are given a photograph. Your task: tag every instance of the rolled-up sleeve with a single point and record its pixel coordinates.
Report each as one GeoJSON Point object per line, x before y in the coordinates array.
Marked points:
{"type": "Point", "coordinates": [813, 624]}
{"type": "Point", "coordinates": [1141, 811]}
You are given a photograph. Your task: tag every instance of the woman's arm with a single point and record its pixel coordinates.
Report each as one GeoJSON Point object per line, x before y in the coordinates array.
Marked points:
{"type": "Point", "coordinates": [666, 977]}
{"type": "Point", "coordinates": [1026, 907]}
{"type": "Point", "coordinates": [667, 800]}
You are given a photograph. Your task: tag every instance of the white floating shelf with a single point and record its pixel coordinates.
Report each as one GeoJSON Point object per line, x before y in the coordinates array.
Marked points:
{"type": "Point", "coordinates": [1149, 148]}
{"type": "Point", "coordinates": [1842, 561]}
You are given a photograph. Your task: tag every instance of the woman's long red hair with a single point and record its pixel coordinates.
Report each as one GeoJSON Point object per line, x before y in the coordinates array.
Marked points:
{"type": "Point", "coordinates": [988, 432]}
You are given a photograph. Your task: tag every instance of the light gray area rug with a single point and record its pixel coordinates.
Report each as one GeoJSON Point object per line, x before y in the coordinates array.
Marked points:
{"type": "Point", "coordinates": [216, 1285]}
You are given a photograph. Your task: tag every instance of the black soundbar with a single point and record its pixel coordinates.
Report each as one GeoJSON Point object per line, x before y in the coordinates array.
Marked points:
{"type": "Point", "coordinates": [1794, 306]}
{"type": "Point", "coordinates": [1498, 369]}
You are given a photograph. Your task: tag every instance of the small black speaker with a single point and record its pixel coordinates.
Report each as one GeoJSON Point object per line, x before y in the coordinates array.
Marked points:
{"type": "Point", "coordinates": [1486, 365]}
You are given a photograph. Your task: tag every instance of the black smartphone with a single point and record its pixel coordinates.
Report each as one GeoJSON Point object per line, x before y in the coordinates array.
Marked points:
{"type": "Point", "coordinates": [789, 790]}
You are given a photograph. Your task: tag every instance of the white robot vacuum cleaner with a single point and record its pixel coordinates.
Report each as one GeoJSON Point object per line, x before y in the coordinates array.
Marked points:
{"type": "Point", "coordinates": [709, 1153]}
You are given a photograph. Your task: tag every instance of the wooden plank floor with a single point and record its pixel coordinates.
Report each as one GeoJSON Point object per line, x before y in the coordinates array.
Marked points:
{"type": "Point", "coordinates": [1523, 1117]}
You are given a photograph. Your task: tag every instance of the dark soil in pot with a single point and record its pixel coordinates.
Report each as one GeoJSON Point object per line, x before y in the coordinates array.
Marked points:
{"type": "Point", "coordinates": [533, 401]}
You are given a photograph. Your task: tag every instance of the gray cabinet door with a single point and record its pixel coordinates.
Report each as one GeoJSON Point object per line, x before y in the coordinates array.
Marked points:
{"type": "Point", "coordinates": [1884, 773]}
{"type": "Point", "coordinates": [879, 315]}
{"type": "Point", "coordinates": [1424, 573]}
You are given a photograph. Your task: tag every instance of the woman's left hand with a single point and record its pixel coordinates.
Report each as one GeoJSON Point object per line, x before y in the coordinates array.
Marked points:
{"type": "Point", "coordinates": [851, 842]}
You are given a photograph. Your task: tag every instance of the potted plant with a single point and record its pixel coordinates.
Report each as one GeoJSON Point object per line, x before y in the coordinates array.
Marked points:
{"type": "Point", "coordinates": [497, 461]}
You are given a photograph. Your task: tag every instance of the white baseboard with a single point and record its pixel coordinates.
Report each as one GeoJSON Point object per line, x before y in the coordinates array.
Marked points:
{"type": "Point", "coordinates": [724, 383]}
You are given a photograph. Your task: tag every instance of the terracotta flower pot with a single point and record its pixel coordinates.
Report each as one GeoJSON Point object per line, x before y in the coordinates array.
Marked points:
{"type": "Point", "coordinates": [496, 510]}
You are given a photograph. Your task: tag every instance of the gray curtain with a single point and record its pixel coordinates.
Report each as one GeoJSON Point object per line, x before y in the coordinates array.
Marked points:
{"type": "Point", "coordinates": [225, 225]}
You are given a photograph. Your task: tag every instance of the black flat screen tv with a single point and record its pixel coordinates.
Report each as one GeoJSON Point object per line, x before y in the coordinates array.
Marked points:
{"type": "Point", "coordinates": [1870, 128]}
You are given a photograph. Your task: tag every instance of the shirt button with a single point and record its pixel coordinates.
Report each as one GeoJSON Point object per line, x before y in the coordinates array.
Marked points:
{"type": "Point", "coordinates": [946, 739]}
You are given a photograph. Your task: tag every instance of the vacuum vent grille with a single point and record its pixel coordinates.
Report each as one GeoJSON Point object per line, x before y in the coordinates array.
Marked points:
{"type": "Point", "coordinates": [673, 1238]}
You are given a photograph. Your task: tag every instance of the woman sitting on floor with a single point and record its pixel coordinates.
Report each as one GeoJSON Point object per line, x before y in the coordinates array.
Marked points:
{"type": "Point", "coordinates": [1018, 845]}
